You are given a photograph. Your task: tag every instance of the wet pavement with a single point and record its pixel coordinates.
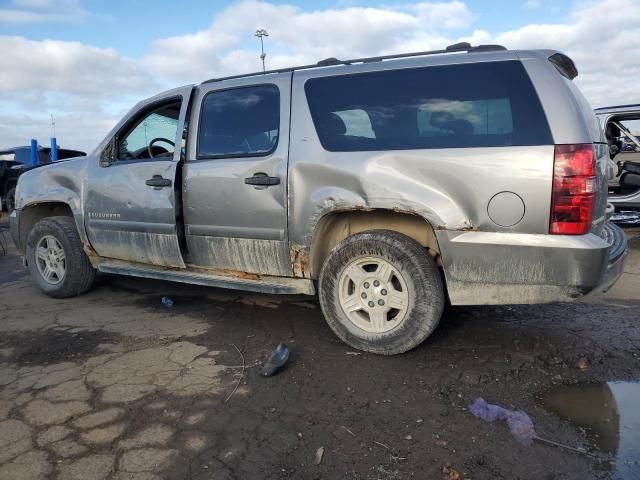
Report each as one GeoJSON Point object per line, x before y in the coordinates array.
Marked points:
{"type": "Point", "coordinates": [608, 413]}
{"type": "Point", "coordinates": [113, 385]}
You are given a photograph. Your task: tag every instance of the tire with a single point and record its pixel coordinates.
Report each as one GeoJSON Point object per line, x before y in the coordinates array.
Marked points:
{"type": "Point", "coordinates": [414, 286]}
{"type": "Point", "coordinates": [11, 200]}
{"type": "Point", "coordinates": [59, 234]}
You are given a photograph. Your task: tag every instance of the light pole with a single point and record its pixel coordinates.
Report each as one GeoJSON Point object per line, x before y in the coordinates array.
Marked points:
{"type": "Point", "coordinates": [261, 33]}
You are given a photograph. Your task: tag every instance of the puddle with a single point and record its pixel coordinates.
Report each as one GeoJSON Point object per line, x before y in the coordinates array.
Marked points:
{"type": "Point", "coordinates": [609, 414]}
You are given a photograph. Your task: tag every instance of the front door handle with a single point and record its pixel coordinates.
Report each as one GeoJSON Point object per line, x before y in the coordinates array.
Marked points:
{"type": "Point", "coordinates": [262, 180]}
{"type": "Point", "coordinates": [158, 182]}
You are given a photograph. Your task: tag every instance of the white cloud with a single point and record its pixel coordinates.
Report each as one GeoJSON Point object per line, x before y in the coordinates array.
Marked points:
{"type": "Point", "coordinates": [86, 87]}
{"type": "Point", "coordinates": [90, 87]}
{"type": "Point", "coordinates": [53, 66]}
{"type": "Point", "coordinates": [602, 39]}
{"type": "Point", "coordinates": [74, 129]}
{"type": "Point", "coordinates": [40, 11]}
{"type": "Point", "coordinates": [295, 34]}
{"type": "Point", "coordinates": [531, 4]}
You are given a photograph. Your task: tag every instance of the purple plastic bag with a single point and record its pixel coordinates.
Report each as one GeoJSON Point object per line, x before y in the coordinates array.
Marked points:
{"type": "Point", "coordinates": [520, 424]}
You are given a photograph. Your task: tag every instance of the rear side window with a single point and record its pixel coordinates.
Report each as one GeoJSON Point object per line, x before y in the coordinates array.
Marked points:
{"type": "Point", "coordinates": [453, 106]}
{"type": "Point", "coordinates": [241, 122]}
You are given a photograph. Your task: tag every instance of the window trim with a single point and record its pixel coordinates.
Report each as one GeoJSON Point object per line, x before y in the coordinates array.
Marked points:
{"type": "Point", "coordinates": [127, 128]}
{"type": "Point", "coordinates": [200, 156]}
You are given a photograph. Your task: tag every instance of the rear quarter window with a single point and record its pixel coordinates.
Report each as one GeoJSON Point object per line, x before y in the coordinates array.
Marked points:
{"type": "Point", "coordinates": [454, 106]}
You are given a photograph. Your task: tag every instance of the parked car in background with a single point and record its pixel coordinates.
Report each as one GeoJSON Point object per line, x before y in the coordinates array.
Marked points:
{"type": "Point", "coordinates": [621, 124]}
{"type": "Point", "coordinates": [387, 185]}
{"type": "Point", "coordinates": [17, 160]}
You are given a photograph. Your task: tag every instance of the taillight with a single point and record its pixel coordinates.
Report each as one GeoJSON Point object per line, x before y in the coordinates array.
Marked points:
{"type": "Point", "coordinates": [574, 189]}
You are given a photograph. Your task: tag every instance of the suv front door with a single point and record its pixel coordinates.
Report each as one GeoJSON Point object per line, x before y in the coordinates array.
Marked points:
{"type": "Point", "coordinates": [235, 176]}
{"type": "Point", "coordinates": [132, 203]}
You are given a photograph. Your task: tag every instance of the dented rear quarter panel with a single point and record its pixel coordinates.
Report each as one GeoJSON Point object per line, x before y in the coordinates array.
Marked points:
{"type": "Point", "coordinates": [449, 188]}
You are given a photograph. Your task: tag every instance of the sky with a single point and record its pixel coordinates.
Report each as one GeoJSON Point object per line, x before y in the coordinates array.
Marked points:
{"type": "Point", "coordinates": [88, 62]}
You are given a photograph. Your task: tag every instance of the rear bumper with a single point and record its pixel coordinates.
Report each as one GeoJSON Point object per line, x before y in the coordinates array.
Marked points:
{"type": "Point", "coordinates": [618, 252]}
{"type": "Point", "coordinates": [494, 268]}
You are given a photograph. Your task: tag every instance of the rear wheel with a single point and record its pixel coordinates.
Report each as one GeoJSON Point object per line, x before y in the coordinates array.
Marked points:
{"type": "Point", "coordinates": [381, 292]}
{"type": "Point", "coordinates": [56, 260]}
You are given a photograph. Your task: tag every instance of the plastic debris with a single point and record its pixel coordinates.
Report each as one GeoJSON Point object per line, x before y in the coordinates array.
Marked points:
{"type": "Point", "coordinates": [319, 454]}
{"type": "Point", "coordinates": [277, 360]}
{"type": "Point", "coordinates": [167, 302]}
{"type": "Point", "coordinates": [520, 424]}
{"type": "Point", "coordinates": [583, 364]}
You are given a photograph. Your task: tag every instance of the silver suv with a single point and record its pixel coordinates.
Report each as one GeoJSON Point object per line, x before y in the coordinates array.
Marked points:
{"type": "Point", "coordinates": [390, 186]}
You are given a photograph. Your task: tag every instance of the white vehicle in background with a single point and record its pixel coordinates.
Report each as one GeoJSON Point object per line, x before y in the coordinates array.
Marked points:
{"type": "Point", "coordinates": [621, 125]}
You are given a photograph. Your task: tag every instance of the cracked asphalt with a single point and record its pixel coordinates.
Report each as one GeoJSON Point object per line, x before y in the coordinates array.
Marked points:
{"type": "Point", "coordinates": [112, 385]}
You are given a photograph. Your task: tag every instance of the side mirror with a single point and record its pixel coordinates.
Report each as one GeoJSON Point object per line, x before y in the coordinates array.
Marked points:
{"type": "Point", "coordinates": [108, 155]}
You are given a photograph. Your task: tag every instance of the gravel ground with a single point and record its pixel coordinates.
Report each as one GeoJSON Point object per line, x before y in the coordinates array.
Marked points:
{"type": "Point", "coordinates": [113, 385]}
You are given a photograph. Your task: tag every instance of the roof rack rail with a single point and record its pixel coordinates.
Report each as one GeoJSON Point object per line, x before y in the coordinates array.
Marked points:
{"type": "Point", "coordinates": [618, 106]}
{"type": "Point", "coordinates": [457, 47]}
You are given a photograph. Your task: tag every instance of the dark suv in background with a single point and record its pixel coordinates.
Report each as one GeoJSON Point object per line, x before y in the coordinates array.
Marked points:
{"type": "Point", "coordinates": [17, 160]}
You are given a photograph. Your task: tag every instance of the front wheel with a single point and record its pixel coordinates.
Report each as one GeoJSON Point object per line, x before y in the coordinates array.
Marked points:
{"type": "Point", "coordinates": [56, 260]}
{"type": "Point", "coordinates": [381, 292]}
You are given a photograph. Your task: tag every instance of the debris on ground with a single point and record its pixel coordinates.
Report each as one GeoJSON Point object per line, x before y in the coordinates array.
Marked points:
{"type": "Point", "coordinates": [451, 473]}
{"type": "Point", "coordinates": [319, 454]}
{"type": "Point", "coordinates": [277, 360]}
{"type": "Point", "coordinates": [583, 364]}
{"type": "Point", "coordinates": [520, 424]}
{"type": "Point", "coordinates": [343, 433]}
{"type": "Point", "coordinates": [241, 373]}
{"type": "Point", "coordinates": [167, 302]}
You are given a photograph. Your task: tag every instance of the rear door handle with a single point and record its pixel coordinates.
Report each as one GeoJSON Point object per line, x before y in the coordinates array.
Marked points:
{"type": "Point", "coordinates": [158, 182]}
{"type": "Point", "coordinates": [262, 179]}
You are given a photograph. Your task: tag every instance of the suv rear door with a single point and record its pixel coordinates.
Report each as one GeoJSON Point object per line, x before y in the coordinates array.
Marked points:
{"type": "Point", "coordinates": [131, 200]}
{"type": "Point", "coordinates": [235, 176]}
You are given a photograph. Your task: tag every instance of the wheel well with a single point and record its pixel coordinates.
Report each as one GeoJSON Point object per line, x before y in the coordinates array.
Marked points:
{"type": "Point", "coordinates": [30, 215]}
{"type": "Point", "coordinates": [9, 185]}
{"type": "Point", "coordinates": [335, 227]}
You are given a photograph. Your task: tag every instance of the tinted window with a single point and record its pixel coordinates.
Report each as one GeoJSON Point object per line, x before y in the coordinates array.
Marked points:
{"type": "Point", "coordinates": [240, 122]}
{"type": "Point", "coordinates": [453, 106]}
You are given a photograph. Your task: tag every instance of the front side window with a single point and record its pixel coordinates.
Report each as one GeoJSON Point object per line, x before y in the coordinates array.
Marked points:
{"type": "Point", "coordinates": [153, 135]}
{"type": "Point", "coordinates": [450, 106]}
{"type": "Point", "coordinates": [240, 122]}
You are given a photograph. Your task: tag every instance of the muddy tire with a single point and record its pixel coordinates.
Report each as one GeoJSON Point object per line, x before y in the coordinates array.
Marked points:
{"type": "Point", "coordinates": [11, 200]}
{"type": "Point", "coordinates": [56, 260]}
{"type": "Point", "coordinates": [381, 292]}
